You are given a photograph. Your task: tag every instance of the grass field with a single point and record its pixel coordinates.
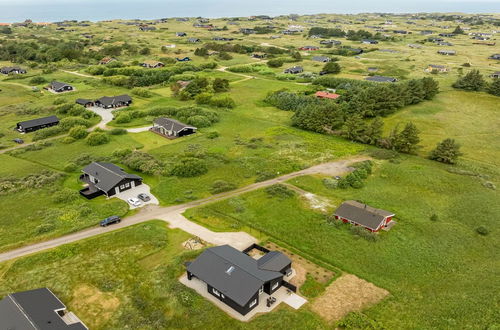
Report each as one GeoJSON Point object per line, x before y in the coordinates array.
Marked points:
{"type": "Point", "coordinates": [432, 269]}
{"type": "Point", "coordinates": [130, 281]}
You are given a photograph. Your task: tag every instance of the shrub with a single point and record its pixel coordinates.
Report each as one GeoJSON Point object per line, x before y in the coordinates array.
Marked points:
{"type": "Point", "coordinates": [364, 233]}
{"type": "Point", "coordinates": [264, 175]}
{"type": "Point", "coordinates": [220, 186]}
{"type": "Point", "coordinates": [143, 92]}
{"type": "Point", "coordinates": [47, 132]}
{"type": "Point", "coordinates": [279, 190]}
{"type": "Point", "coordinates": [482, 230]}
{"type": "Point", "coordinates": [199, 121]}
{"type": "Point", "coordinates": [59, 100]}
{"type": "Point", "coordinates": [223, 102]}
{"type": "Point", "coordinates": [117, 131]}
{"type": "Point", "coordinates": [434, 217]}
{"type": "Point", "coordinates": [69, 122]}
{"type": "Point", "coordinates": [213, 135]}
{"type": "Point", "coordinates": [189, 167]}
{"type": "Point", "coordinates": [123, 118]}
{"type": "Point", "coordinates": [330, 183]}
{"type": "Point", "coordinates": [70, 167]}
{"type": "Point", "coordinates": [78, 132]}
{"type": "Point", "coordinates": [97, 138]}
{"type": "Point", "coordinates": [68, 140]}
{"type": "Point", "coordinates": [275, 63]}
{"type": "Point", "coordinates": [140, 161]}
{"type": "Point", "coordinates": [38, 80]}
{"type": "Point", "coordinates": [203, 98]}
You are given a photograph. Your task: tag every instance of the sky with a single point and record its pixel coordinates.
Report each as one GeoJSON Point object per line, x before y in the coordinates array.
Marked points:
{"type": "Point", "coordinates": [54, 10]}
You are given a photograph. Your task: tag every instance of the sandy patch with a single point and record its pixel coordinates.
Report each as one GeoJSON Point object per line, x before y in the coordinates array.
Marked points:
{"type": "Point", "coordinates": [316, 202]}
{"type": "Point", "coordinates": [94, 307]}
{"type": "Point", "coordinates": [300, 274]}
{"type": "Point", "coordinates": [347, 294]}
{"type": "Point", "coordinates": [194, 244]}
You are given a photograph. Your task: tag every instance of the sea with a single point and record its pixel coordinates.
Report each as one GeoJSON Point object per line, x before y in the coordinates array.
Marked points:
{"type": "Point", "coordinates": [98, 10]}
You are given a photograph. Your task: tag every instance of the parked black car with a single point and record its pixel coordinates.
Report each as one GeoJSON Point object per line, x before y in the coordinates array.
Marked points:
{"type": "Point", "coordinates": [110, 220]}
{"type": "Point", "coordinates": [18, 140]}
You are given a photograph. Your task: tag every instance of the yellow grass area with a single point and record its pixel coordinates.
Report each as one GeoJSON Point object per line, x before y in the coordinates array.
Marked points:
{"type": "Point", "coordinates": [347, 294]}
{"type": "Point", "coordinates": [94, 306]}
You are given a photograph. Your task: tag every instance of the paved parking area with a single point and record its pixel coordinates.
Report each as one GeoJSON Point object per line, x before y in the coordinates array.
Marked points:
{"type": "Point", "coordinates": [132, 193]}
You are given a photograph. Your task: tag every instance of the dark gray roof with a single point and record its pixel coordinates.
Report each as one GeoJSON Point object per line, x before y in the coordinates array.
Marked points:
{"type": "Point", "coordinates": [321, 58]}
{"type": "Point", "coordinates": [34, 309]}
{"type": "Point", "coordinates": [108, 174]}
{"type": "Point", "coordinates": [111, 100]}
{"type": "Point", "coordinates": [273, 261]}
{"type": "Point", "coordinates": [9, 69]}
{"type": "Point", "coordinates": [231, 272]}
{"type": "Point", "coordinates": [83, 101]}
{"type": "Point", "coordinates": [172, 124]}
{"type": "Point", "coordinates": [362, 214]}
{"type": "Point", "coordinates": [38, 122]}
{"type": "Point", "coordinates": [381, 79]}
{"type": "Point", "coordinates": [55, 85]}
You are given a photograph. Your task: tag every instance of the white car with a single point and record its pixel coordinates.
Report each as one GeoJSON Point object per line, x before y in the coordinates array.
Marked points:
{"type": "Point", "coordinates": [134, 202]}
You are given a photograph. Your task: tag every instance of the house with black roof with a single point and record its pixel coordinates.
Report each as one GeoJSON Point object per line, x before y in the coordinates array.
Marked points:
{"type": "Point", "coordinates": [494, 57]}
{"type": "Point", "coordinates": [36, 124]}
{"type": "Point", "coordinates": [323, 59]}
{"type": "Point", "coordinates": [60, 87]}
{"type": "Point", "coordinates": [180, 34]}
{"type": "Point", "coordinates": [495, 75]}
{"type": "Point", "coordinates": [381, 79]}
{"type": "Point", "coordinates": [369, 41]}
{"type": "Point", "coordinates": [102, 178]}
{"type": "Point", "coordinates": [108, 102]}
{"type": "Point", "coordinates": [85, 102]}
{"type": "Point", "coordinates": [360, 214]}
{"type": "Point", "coordinates": [12, 70]}
{"type": "Point", "coordinates": [237, 279]}
{"type": "Point", "coordinates": [446, 52]}
{"type": "Point", "coordinates": [294, 70]}
{"type": "Point", "coordinates": [172, 128]}
{"type": "Point", "coordinates": [37, 309]}
{"type": "Point", "coordinates": [194, 40]}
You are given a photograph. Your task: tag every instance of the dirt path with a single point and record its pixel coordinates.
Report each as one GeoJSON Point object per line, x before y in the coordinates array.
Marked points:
{"type": "Point", "coordinates": [173, 215]}
{"type": "Point", "coordinates": [80, 74]}
{"type": "Point", "coordinates": [266, 44]}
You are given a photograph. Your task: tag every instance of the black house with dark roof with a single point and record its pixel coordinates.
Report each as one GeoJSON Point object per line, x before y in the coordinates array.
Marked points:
{"type": "Point", "coordinates": [172, 128]}
{"type": "Point", "coordinates": [106, 179]}
{"type": "Point", "coordinates": [107, 102]}
{"type": "Point", "coordinates": [12, 70]}
{"type": "Point", "coordinates": [36, 124]}
{"type": "Point", "coordinates": [37, 309]}
{"type": "Point", "coordinates": [237, 279]}
{"type": "Point", "coordinates": [381, 79]}
{"type": "Point", "coordinates": [60, 87]}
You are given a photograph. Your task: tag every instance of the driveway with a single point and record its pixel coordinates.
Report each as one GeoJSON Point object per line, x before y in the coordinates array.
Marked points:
{"type": "Point", "coordinates": [132, 193]}
{"type": "Point", "coordinates": [174, 215]}
{"type": "Point", "coordinates": [106, 116]}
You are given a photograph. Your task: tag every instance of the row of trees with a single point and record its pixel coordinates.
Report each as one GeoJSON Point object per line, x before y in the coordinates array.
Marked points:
{"type": "Point", "coordinates": [354, 35]}
{"type": "Point", "coordinates": [474, 81]}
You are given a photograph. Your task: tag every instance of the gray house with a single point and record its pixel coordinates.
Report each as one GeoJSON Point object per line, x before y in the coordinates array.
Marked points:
{"type": "Point", "coordinates": [37, 309]}
{"type": "Point", "coordinates": [172, 128]}
{"type": "Point", "coordinates": [237, 279]}
{"type": "Point", "coordinates": [494, 57]}
{"type": "Point", "coordinates": [381, 79]}
{"type": "Point", "coordinates": [294, 70]}
{"type": "Point", "coordinates": [12, 70]}
{"type": "Point", "coordinates": [446, 52]}
{"type": "Point", "coordinates": [323, 59]}
{"type": "Point", "coordinates": [106, 179]}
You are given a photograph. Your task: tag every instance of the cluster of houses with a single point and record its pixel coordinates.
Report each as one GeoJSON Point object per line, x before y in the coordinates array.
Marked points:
{"type": "Point", "coordinates": [107, 102]}
{"type": "Point", "coordinates": [12, 70]}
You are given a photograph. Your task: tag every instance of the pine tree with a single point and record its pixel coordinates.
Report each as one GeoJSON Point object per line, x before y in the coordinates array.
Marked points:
{"type": "Point", "coordinates": [373, 132]}
{"type": "Point", "coordinates": [458, 30]}
{"type": "Point", "coordinates": [416, 92]}
{"type": "Point", "coordinates": [472, 81]}
{"type": "Point", "coordinates": [446, 151]}
{"type": "Point", "coordinates": [407, 140]}
{"type": "Point", "coordinates": [354, 128]}
{"type": "Point", "coordinates": [331, 67]}
{"type": "Point", "coordinates": [494, 87]}
{"type": "Point", "coordinates": [431, 87]}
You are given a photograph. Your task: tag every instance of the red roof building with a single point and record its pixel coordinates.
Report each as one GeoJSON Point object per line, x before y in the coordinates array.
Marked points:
{"type": "Point", "coordinates": [326, 95]}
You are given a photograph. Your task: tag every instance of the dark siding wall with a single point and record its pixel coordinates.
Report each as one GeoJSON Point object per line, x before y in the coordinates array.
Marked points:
{"type": "Point", "coordinates": [268, 286]}
{"type": "Point", "coordinates": [243, 310]}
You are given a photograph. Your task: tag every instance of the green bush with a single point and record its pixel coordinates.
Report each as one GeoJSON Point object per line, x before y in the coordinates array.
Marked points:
{"type": "Point", "coordinates": [68, 140]}
{"type": "Point", "coordinates": [279, 190]}
{"type": "Point", "coordinates": [143, 92]}
{"type": "Point", "coordinates": [189, 167]}
{"type": "Point", "coordinates": [123, 118]}
{"type": "Point", "coordinates": [38, 80]}
{"type": "Point", "coordinates": [330, 183]}
{"type": "Point", "coordinates": [223, 102]}
{"type": "Point", "coordinates": [78, 132]}
{"type": "Point", "coordinates": [275, 63]}
{"type": "Point", "coordinates": [213, 135]}
{"type": "Point", "coordinates": [97, 138]}
{"type": "Point", "coordinates": [117, 131]}
{"type": "Point", "coordinates": [47, 132]}
{"type": "Point", "coordinates": [364, 233]}
{"type": "Point", "coordinates": [220, 186]}
{"type": "Point", "coordinates": [482, 230]}
{"type": "Point", "coordinates": [70, 167]}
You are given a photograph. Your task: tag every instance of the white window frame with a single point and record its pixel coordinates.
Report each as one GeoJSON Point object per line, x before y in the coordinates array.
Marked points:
{"type": "Point", "coordinates": [217, 293]}
{"type": "Point", "coordinates": [252, 303]}
{"type": "Point", "coordinates": [275, 285]}
{"type": "Point", "coordinates": [261, 289]}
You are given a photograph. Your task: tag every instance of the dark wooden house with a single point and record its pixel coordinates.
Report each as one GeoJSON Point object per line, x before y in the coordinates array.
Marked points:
{"type": "Point", "coordinates": [107, 179]}
{"type": "Point", "coordinates": [237, 279]}
{"type": "Point", "coordinates": [36, 124]}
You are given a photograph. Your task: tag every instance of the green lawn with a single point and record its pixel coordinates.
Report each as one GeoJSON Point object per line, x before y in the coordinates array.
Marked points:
{"type": "Point", "coordinates": [441, 274]}
{"type": "Point", "coordinates": [130, 281]}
